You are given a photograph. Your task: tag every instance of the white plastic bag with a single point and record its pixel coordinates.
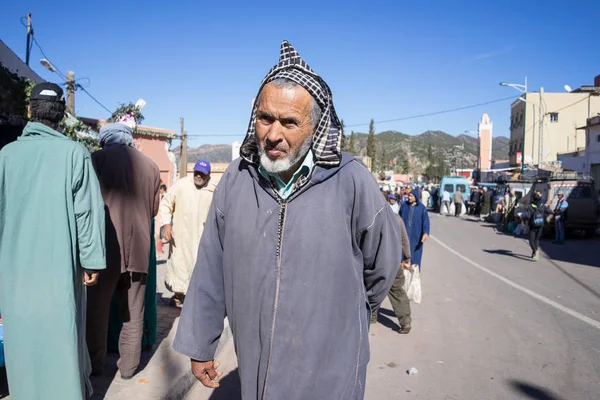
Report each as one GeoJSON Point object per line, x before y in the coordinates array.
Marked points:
{"type": "Point", "coordinates": [412, 283]}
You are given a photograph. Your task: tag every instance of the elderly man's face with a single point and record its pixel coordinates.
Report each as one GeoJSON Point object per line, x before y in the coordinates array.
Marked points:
{"type": "Point", "coordinates": [283, 127]}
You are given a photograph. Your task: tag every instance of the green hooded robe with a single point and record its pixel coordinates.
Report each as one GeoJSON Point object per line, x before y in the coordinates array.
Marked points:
{"type": "Point", "coordinates": [51, 227]}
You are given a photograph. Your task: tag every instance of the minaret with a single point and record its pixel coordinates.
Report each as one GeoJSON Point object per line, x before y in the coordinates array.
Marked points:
{"type": "Point", "coordinates": [485, 142]}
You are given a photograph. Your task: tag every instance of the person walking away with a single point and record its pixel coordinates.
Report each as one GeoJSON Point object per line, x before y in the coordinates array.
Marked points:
{"type": "Point", "coordinates": [298, 246]}
{"type": "Point", "coordinates": [416, 221]}
{"type": "Point", "coordinates": [560, 217]}
{"type": "Point", "coordinates": [393, 203]}
{"type": "Point", "coordinates": [435, 194]}
{"type": "Point", "coordinates": [397, 294]}
{"type": "Point", "coordinates": [425, 196]}
{"type": "Point", "coordinates": [51, 248]}
{"type": "Point", "coordinates": [183, 214]}
{"type": "Point", "coordinates": [473, 201]}
{"type": "Point", "coordinates": [536, 214]}
{"type": "Point", "coordinates": [446, 201]}
{"type": "Point", "coordinates": [486, 203]}
{"type": "Point", "coordinates": [458, 199]}
{"type": "Point", "coordinates": [130, 187]}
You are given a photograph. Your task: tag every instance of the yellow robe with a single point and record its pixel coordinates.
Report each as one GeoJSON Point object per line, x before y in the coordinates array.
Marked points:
{"type": "Point", "coordinates": [185, 207]}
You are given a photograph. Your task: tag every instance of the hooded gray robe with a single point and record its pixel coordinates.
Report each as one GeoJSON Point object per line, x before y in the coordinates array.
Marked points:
{"type": "Point", "coordinates": [297, 277]}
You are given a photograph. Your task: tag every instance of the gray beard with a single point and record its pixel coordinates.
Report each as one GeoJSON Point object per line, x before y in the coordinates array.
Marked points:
{"type": "Point", "coordinates": [279, 166]}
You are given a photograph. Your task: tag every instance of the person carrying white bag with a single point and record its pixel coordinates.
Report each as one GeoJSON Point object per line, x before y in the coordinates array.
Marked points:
{"type": "Point", "coordinates": [397, 294]}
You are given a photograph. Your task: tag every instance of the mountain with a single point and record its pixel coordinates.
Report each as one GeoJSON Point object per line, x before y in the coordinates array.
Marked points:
{"type": "Point", "coordinates": [397, 145]}
{"type": "Point", "coordinates": [412, 151]}
{"type": "Point", "coordinates": [214, 153]}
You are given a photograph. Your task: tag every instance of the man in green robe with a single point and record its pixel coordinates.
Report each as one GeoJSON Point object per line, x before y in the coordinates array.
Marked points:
{"type": "Point", "coordinates": [51, 248]}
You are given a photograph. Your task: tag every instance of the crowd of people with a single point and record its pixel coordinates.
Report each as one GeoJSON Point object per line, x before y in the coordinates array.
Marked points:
{"type": "Point", "coordinates": [77, 250]}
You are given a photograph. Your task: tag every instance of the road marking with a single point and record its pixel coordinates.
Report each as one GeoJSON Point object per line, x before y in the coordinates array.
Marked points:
{"type": "Point", "coordinates": [523, 289]}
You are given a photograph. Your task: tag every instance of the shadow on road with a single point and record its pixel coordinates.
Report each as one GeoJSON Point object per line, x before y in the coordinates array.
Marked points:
{"type": "Point", "coordinates": [508, 253]}
{"type": "Point", "coordinates": [532, 391]}
{"type": "Point", "coordinates": [230, 388]}
{"type": "Point", "coordinates": [382, 318]}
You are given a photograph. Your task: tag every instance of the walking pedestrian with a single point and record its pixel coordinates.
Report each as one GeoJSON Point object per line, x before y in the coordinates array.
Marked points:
{"type": "Point", "coordinates": [458, 199]}
{"type": "Point", "coordinates": [486, 203]}
{"type": "Point", "coordinates": [183, 213]}
{"type": "Point", "coordinates": [393, 203]}
{"type": "Point", "coordinates": [280, 255]}
{"type": "Point", "coordinates": [416, 220]}
{"type": "Point", "coordinates": [51, 248]}
{"type": "Point", "coordinates": [397, 294]}
{"type": "Point", "coordinates": [561, 211]}
{"type": "Point", "coordinates": [425, 196]}
{"type": "Point", "coordinates": [446, 201]}
{"type": "Point", "coordinates": [130, 187]}
{"type": "Point", "coordinates": [536, 214]}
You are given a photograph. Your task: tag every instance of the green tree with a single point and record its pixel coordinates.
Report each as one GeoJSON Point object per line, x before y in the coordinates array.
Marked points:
{"type": "Point", "coordinates": [344, 138]}
{"type": "Point", "coordinates": [430, 158]}
{"type": "Point", "coordinates": [404, 164]}
{"type": "Point", "coordinates": [384, 162]}
{"type": "Point", "coordinates": [372, 143]}
{"type": "Point", "coordinates": [351, 145]}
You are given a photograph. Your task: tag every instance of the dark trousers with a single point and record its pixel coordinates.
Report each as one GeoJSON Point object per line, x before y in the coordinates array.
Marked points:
{"type": "Point", "coordinates": [131, 289]}
{"type": "Point", "coordinates": [534, 238]}
{"type": "Point", "coordinates": [457, 209]}
{"type": "Point", "coordinates": [399, 300]}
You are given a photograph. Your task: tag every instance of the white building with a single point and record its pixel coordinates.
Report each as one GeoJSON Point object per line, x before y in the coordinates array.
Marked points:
{"type": "Point", "coordinates": [235, 149]}
{"type": "Point", "coordinates": [538, 137]}
{"type": "Point", "coordinates": [586, 160]}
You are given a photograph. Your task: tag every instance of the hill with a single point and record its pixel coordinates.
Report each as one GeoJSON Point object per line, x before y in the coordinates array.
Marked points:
{"type": "Point", "coordinates": [412, 151]}
{"type": "Point", "coordinates": [397, 146]}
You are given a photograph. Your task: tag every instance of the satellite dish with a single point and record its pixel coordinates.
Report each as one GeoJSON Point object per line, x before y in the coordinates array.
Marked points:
{"type": "Point", "coordinates": [568, 88]}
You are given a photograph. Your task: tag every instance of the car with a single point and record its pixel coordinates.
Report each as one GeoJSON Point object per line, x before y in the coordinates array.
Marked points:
{"type": "Point", "coordinates": [584, 207]}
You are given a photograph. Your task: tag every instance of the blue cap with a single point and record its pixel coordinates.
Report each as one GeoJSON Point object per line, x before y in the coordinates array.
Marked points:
{"type": "Point", "coordinates": [392, 196]}
{"type": "Point", "coordinates": [202, 166]}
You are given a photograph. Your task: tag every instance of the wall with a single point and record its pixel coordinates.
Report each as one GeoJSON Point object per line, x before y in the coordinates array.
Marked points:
{"type": "Point", "coordinates": [572, 161]}
{"type": "Point", "coordinates": [558, 137]}
{"type": "Point", "coordinates": [592, 151]}
{"type": "Point", "coordinates": [154, 147]}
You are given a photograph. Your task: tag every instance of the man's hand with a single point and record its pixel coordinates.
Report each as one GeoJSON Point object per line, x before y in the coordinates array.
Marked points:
{"type": "Point", "coordinates": [405, 264]}
{"type": "Point", "coordinates": [206, 372]}
{"type": "Point", "coordinates": [90, 278]}
{"type": "Point", "coordinates": [167, 232]}
{"type": "Point", "coordinates": [425, 237]}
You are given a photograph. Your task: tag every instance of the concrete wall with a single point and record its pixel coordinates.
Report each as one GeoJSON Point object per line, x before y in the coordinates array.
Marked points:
{"type": "Point", "coordinates": [154, 147]}
{"type": "Point", "coordinates": [562, 136]}
{"type": "Point", "coordinates": [592, 151]}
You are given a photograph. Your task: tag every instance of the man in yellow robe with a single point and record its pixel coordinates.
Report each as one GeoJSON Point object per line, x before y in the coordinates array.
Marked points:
{"type": "Point", "coordinates": [183, 211]}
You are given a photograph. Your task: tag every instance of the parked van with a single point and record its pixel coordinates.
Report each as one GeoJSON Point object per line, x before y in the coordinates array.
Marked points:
{"type": "Point", "coordinates": [584, 208]}
{"type": "Point", "coordinates": [452, 184]}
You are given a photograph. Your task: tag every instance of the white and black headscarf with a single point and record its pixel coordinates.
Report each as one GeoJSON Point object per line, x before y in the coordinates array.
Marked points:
{"type": "Point", "coordinates": [327, 135]}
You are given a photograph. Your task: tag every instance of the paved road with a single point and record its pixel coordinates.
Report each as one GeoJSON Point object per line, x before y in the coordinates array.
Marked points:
{"type": "Point", "coordinates": [493, 324]}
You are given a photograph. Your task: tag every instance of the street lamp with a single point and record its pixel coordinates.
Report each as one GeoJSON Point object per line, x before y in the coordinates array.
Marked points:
{"type": "Point", "coordinates": [522, 89]}
{"type": "Point", "coordinates": [48, 65]}
{"type": "Point", "coordinates": [70, 83]}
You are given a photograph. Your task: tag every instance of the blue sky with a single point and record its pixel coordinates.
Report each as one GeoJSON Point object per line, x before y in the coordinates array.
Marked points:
{"type": "Point", "coordinates": [390, 59]}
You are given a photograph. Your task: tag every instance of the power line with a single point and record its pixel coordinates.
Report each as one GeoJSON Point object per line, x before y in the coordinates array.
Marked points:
{"type": "Point", "coordinates": [398, 119]}
{"type": "Point", "coordinates": [46, 57]}
{"type": "Point", "coordinates": [435, 113]}
{"type": "Point", "coordinates": [93, 98]}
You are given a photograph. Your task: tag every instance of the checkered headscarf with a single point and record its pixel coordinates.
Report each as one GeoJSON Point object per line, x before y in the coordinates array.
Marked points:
{"type": "Point", "coordinates": [327, 135]}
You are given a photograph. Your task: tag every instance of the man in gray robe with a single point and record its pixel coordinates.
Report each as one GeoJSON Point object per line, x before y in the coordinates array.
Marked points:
{"type": "Point", "coordinates": [299, 246]}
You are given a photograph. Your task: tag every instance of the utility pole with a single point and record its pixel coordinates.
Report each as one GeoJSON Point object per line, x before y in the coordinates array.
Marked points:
{"type": "Point", "coordinates": [29, 34]}
{"type": "Point", "coordinates": [71, 92]}
{"type": "Point", "coordinates": [183, 152]}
